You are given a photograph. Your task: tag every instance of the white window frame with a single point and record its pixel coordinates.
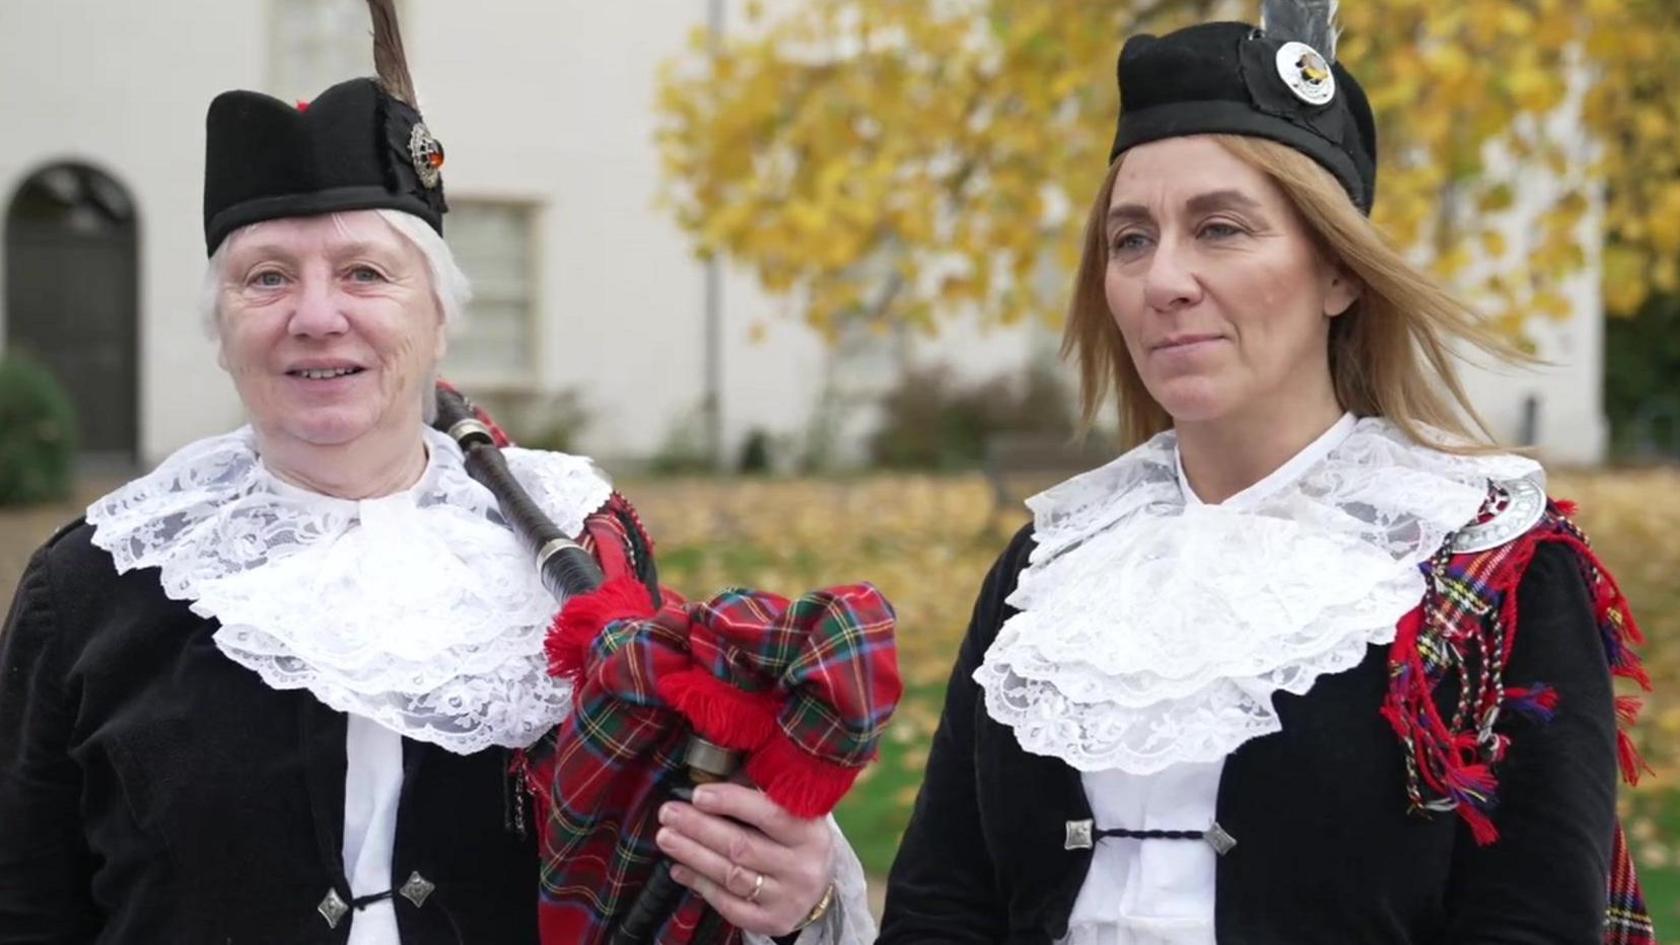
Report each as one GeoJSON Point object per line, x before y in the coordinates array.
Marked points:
{"type": "Point", "coordinates": [523, 375]}
{"type": "Point", "coordinates": [353, 41]}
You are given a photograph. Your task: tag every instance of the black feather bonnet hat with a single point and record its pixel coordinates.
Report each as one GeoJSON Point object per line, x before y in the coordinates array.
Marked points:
{"type": "Point", "coordinates": [1279, 81]}
{"type": "Point", "coordinates": [360, 145]}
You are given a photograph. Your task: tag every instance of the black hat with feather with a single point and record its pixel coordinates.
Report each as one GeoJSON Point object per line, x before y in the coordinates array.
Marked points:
{"type": "Point", "coordinates": [360, 145]}
{"type": "Point", "coordinates": [1279, 81]}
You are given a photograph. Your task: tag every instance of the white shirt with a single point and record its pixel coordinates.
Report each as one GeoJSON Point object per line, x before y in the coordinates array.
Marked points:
{"type": "Point", "coordinates": [1161, 892]}
{"type": "Point", "coordinates": [373, 780]}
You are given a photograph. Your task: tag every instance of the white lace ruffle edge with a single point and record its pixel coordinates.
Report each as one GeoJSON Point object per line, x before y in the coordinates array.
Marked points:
{"type": "Point", "coordinates": [419, 610]}
{"type": "Point", "coordinates": [1154, 631]}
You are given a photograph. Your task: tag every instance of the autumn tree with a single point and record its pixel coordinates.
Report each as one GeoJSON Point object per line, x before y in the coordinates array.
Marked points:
{"type": "Point", "coordinates": [904, 160]}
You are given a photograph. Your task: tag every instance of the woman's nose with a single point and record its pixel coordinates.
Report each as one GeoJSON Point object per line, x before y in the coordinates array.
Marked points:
{"type": "Point", "coordinates": [1170, 282]}
{"type": "Point", "coordinates": [319, 310]}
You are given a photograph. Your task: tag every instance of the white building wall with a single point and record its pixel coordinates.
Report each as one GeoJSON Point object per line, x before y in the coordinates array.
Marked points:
{"type": "Point", "coordinates": [124, 87]}
{"type": "Point", "coordinates": [1568, 388]}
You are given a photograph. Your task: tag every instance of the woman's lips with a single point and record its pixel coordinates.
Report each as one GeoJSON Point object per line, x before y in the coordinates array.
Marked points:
{"type": "Point", "coordinates": [329, 382]}
{"type": "Point", "coordinates": [324, 373]}
{"type": "Point", "coordinates": [1185, 343]}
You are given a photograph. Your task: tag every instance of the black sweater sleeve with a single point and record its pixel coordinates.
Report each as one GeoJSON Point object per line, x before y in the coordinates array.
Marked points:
{"type": "Point", "coordinates": [45, 865]}
{"type": "Point", "coordinates": [1543, 882]}
{"type": "Point", "coordinates": [943, 888]}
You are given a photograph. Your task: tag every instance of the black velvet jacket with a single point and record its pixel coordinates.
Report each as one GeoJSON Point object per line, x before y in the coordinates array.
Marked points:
{"type": "Point", "coordinates": [153, 792]}
{"type": "Point", "coordinates": [1326, 851]}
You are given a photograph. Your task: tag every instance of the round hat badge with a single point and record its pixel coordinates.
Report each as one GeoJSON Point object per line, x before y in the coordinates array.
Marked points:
{"type": "Point", "coordinates": [427, 154]}
{"type": "Point", "coordinates": [1306, 73]}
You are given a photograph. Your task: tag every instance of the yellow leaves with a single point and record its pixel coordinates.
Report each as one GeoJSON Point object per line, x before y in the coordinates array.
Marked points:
{"type": "Point", "coordinates": [1663, 222]}
{"type": "Point", "coordinates": [1623, 278]}
{"type": "Point", "coordinates": [1449, 63]}
{"type": "Point", "coordinates": [1551, 305]}
{"type": "Point", "coordinates": [1665, 275]}
{"type": "Point", "coordinates": [1493, 243]}
{"type": "Point", "coordinates": [1556, 29]}
{"type": "Point", "coordinates": [1535, 89]}
{"type": "Point", "coordinates": [1653, 122]}
{"type": "Point", "coordinates": [1496, 199]}
{"type": "Point", "coordinates": [1453, 261]}
{"type": "Point", "coordinates": [834, 133]}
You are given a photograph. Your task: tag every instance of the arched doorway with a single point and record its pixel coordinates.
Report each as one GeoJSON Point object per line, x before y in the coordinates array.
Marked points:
{"type": "Point", "coordinates": [72, 297]}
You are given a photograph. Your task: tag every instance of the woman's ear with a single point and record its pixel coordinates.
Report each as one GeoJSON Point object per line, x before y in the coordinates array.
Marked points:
{"type": "Point", "coordinates": [219, 341]}
{"type": "Point", "coordinates": [1341, 290]}
{"type": "Point", "coordinates": [442, 340]}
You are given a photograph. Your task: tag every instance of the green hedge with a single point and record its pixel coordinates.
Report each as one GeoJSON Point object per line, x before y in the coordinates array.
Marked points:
{"type": "Point", "coordinates": [37, 433]}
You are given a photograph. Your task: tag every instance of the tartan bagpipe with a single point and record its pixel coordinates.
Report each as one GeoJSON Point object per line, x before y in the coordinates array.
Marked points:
{"type": "Point", "coordinates": [802, 688]}
{"type": "Point", "coordinates": [1465, 629]}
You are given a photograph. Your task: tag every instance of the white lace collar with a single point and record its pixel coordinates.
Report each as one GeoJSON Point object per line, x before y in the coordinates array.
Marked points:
{"type": "Point", "coordinates": [418, 610]}
{"type": "Point", "coordinates": [1155, 629]}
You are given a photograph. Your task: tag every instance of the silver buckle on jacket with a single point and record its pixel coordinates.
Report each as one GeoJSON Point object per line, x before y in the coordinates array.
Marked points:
{"type": "Point", "coordinates": [333, 908]}
{"type": "Point", "coordinates": [1078, 835]}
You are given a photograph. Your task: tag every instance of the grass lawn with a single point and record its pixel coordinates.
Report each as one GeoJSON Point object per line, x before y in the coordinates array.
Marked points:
{"type": "Point", "coordinates": [1656, 830]}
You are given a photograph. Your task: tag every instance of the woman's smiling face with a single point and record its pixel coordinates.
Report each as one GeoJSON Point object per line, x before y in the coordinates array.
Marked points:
{"type": "Point", "coordinates": [329, 327]}
{"type": "Point", "coordinates": [1216, 284]}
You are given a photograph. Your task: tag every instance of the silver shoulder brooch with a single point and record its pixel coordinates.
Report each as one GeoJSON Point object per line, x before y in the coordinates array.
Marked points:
{"type": "Point", "coordinates": [1517, 505]}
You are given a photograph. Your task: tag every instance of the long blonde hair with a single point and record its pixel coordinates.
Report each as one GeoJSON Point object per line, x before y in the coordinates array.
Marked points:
{"type": "Point", "coordinates": [1390, 352]}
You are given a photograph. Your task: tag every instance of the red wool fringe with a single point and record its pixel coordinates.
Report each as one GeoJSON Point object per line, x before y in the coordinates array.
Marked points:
{"type": "Point", "coordinates": [737, 720]}
{"type": "Point", "coordinates": [798, 781]}
{"type": "Point", "coordinates": [582, 619]}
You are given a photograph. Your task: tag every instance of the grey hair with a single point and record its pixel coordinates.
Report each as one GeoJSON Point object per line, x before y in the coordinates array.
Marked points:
{"type": "Point", "coordinates": [450, 286]}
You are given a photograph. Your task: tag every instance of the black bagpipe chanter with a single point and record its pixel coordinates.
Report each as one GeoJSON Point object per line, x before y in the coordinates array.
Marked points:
{"type": "Point", "coordinates": [737, 684]}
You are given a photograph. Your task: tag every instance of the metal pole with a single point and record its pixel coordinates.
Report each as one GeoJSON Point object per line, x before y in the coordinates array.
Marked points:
{"type": "Point", "coordinates": [713, 401]}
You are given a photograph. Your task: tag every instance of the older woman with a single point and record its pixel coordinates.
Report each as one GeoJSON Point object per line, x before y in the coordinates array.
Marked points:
{"type": "Point", "coordinates": [1263, 677]}
{"type": "Point", "coordinates": [269, 691]}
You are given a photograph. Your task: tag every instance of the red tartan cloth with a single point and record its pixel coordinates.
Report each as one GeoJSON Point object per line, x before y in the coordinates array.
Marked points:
{"type": "Point", "coordinates": [803, 687]}
{"type": "Point", "coordinates": [1468, 617]}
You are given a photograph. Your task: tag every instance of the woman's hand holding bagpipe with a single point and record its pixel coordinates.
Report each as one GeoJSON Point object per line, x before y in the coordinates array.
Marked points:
{"type": "Point", "coordinates": [763, 869]}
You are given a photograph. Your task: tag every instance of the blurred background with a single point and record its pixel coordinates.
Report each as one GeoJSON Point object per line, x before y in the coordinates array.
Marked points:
{"type": "Point", "coordinates": [794, 270]}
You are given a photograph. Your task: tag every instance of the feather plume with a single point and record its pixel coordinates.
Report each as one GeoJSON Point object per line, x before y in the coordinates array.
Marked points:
{"type": "Point", "coordinates": [389, 61]}
{"type": "Point", "coordinates": [1308, 21]}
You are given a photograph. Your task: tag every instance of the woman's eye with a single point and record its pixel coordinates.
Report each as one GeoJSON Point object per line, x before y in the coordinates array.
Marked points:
{"type": "Point", "coordinates": [268, 279]}
{"type": "Point", "coordinates": [1127, 242]}
{"type": "Point", "coordinates": [366, 274]}
{"type": "Point", "coordinates": [1221, 230]}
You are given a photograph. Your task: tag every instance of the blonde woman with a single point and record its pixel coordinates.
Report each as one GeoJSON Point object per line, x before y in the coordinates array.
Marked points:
{"type": "Point", "coordinates": [1306, 663]}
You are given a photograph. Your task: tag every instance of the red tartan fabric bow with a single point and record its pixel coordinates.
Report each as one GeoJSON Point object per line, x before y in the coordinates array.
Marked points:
{"type": "Point", "coordinates": [804, 688]}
